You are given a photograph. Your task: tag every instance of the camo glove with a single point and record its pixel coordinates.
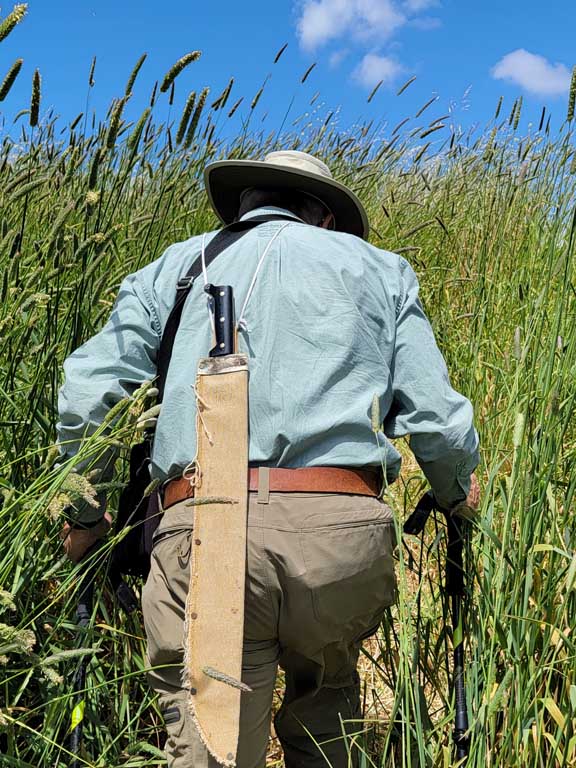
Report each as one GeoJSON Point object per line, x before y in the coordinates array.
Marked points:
{"type": "Point", "coordinates": [468, 509]}
{"type": "Point", "coordinates": [77, 541]}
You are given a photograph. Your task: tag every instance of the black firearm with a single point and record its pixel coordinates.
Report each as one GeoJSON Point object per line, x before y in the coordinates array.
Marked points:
{"type": "Point", "coordinates": [454, 588]}
{"type": "Point", "coordinates": [83, 614]}
{"type": "Point", "coordinates": [127, 601]}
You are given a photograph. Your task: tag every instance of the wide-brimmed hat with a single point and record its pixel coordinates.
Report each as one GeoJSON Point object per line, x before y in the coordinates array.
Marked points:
{"type": "Point", "coordinates": [286, 170]}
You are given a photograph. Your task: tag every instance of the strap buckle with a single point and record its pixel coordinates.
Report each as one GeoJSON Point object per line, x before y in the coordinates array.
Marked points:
{"type": "Point", "coordinates": [185, 282]}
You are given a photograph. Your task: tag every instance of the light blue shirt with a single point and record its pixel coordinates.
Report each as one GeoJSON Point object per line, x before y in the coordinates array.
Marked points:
{"type": "Point", "coordinates": [332, 321]}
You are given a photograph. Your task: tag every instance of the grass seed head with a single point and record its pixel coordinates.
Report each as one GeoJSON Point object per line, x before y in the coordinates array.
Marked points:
{"type": "Point", "coordinates": [428, 131]}
{"type": "Point", "coordinates": [35, 102]}
{"type": "Point", "coordinates": [235, 106]}
{"type": "Point", "coordinates": [572, 97]}
{"type": "Point", "coordinates": [114, 126]}
{"type": "Point", "coordinates": [7, 600]}
{"type": "Point", "coordinates": [134, 75]}
{"type": "Point", "coordinates": [175, 70]}
{"type": "Point", "coordinates": [421, 152]}
{"type": "Point", "coordinates": [196, 117]}
{"type": "Point", "coordinates": [220, 102]}
{"type": "Point", "coordinates": [76, 120]}
{"type": "Point", "coordinates": [78, 486]}
{"type": "Point", "coordinates": [13, 73]}
{"type": "Point", "coordinates": [542, 116]}
{"type": "Point", "coordinates": [134, 138]}
{"type": "Point", "coordinates": [57, 506]}
{"type": "Point", "coordinates": [184, 120]}
{"type": "Point", "coordinates": [512, 114]}
{"type": "Point", "coordinates": [374, 91]}
{"type": "Point", "coordinates": [517, 114]}
{"type": "Point", "coordinates": [425, 106]}
{"type": "Point", "coordinates": [14, 18]}
{"type": "Point", "coordinates": [406, 84]}
{"type": "Point", "coordinates": [153, 94]}
{"type": "Point", "coordinates": [13, 640]}
{"type": "Point", "coordinates": [51, 675]}
{"type": "Point", "coordinates": [280, 52]}
{"type": "Point", "coordinates": [91, 80]}
{"type": "Point", "coordinates": [94, 166]}
{"type": "Point", "coordinates": [307, 73]}
{"type": "Point", "coordinates": [92, 197]}
{"type": "Point", "coordinates": [256, 98]}
{"type": "Point", "coordinates": [498, 107]}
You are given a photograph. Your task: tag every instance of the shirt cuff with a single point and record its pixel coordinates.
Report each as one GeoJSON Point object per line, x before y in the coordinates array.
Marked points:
{"type": "Point", "coordinates": [77, 525]}
{"type": "Point", "coordinates": [83, 516]}
{"type": "Point", "coordinates": [450, 483]}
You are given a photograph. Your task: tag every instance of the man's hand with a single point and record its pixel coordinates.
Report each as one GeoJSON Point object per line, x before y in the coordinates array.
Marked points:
{"type": "Point", "coordinates": [77, 541]}
{"type": "Point", "coordinates": [468, 508]}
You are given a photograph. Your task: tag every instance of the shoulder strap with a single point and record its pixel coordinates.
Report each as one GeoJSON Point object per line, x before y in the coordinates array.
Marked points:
{"type": "Point", "coordinates": [222, 240]}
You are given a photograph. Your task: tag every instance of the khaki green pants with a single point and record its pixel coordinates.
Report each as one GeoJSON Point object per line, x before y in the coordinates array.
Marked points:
{"type": "Point", "coordinates": [319, 575]}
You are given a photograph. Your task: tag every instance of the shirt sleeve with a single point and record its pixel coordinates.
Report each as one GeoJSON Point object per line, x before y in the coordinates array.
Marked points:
{"type": "Point", "coordinates": [438, 419]}
{"type": "Point", "coordinates": [108, 367]}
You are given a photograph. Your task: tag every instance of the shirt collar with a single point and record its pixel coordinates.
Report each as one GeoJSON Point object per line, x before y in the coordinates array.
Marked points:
{"type": "Point", "coordinates": [267, 211]}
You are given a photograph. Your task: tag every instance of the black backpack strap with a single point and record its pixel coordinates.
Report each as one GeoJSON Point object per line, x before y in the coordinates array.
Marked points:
{"type": "Point", "coordinates": [222, 240]}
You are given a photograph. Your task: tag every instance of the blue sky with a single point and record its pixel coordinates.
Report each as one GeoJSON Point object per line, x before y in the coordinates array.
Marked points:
{"type": "Point", "coordinates": [465, 53]}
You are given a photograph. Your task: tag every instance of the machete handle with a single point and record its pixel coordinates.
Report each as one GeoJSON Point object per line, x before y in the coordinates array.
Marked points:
{"type": "Point", "coordinates": [418, 519]}
{"type": "Point", "coordinates": [86, 591]}
{"type": "Point", "coordinates": [123, 592]}
{"type": "Point", "coordinates": [454, 555]}
{"type": "Point", "coordinates": [454, 586]}
{"type": "Point", "coordinates": [222, 305]}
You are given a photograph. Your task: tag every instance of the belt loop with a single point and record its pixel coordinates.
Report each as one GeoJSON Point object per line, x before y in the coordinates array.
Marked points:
{"type": "Point", "coordinates": [263, 485]}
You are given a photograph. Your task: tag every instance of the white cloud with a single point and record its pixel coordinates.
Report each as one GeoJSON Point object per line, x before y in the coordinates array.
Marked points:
{"type": "Point", "coordinates": [415, 6]}
{"type": "Point", "coordinates": [325, 20]}
{"type": "Point", "coordinates": [426, 23]}
{"type": "Point", "coordinates": [373, 68]}
{"type": "Point", "coordinates": [337, 58]}
{"type": "Point", "coordinates": [533, 73]}
{"type": "Point", "coordinates": [370, 24]}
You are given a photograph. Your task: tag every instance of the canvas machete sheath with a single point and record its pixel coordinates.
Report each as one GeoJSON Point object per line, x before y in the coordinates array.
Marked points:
{"type": "Point", "coordinates": [215, 607]}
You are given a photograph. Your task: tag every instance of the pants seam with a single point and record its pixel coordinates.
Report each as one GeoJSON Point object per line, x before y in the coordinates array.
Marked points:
{"type": "Point", "coordinates": [265, 566]}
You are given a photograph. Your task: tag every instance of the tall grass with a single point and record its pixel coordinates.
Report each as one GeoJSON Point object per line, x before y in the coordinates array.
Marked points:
{"type": "Point", "coordinates": [488, 221]}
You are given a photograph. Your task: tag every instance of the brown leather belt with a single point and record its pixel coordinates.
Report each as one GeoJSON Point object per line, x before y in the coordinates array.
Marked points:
{"type": "Point", "coordinates": [359, 482]}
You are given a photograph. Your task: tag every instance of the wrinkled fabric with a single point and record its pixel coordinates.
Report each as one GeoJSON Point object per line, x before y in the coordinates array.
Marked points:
{"type": "Point", "coordinates": [332, 322]}
{"type": "Point", "coordinates": [320, 574]}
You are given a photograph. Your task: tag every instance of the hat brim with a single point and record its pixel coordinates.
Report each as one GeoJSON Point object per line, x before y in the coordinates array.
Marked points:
{"type": "Point", "coordinates": [226, 180]}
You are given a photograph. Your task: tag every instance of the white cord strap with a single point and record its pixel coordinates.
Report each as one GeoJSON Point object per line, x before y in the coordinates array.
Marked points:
{"type": "Point", "coordinates": [203, 256]}
{"type": "Point", "coordinates": [205, 274]}
{"type": "Point", "coordinates": [241, 324]}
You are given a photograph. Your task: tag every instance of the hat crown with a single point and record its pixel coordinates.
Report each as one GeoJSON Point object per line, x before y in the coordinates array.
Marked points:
{"type": "Point", "coordinates": [300, 161]}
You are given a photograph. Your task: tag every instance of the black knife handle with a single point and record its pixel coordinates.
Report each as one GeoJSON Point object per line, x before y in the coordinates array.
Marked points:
{"type": "Point", "coordinates": [418, 519]}
{"type": "Point", "coordinates": [222, 303]}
